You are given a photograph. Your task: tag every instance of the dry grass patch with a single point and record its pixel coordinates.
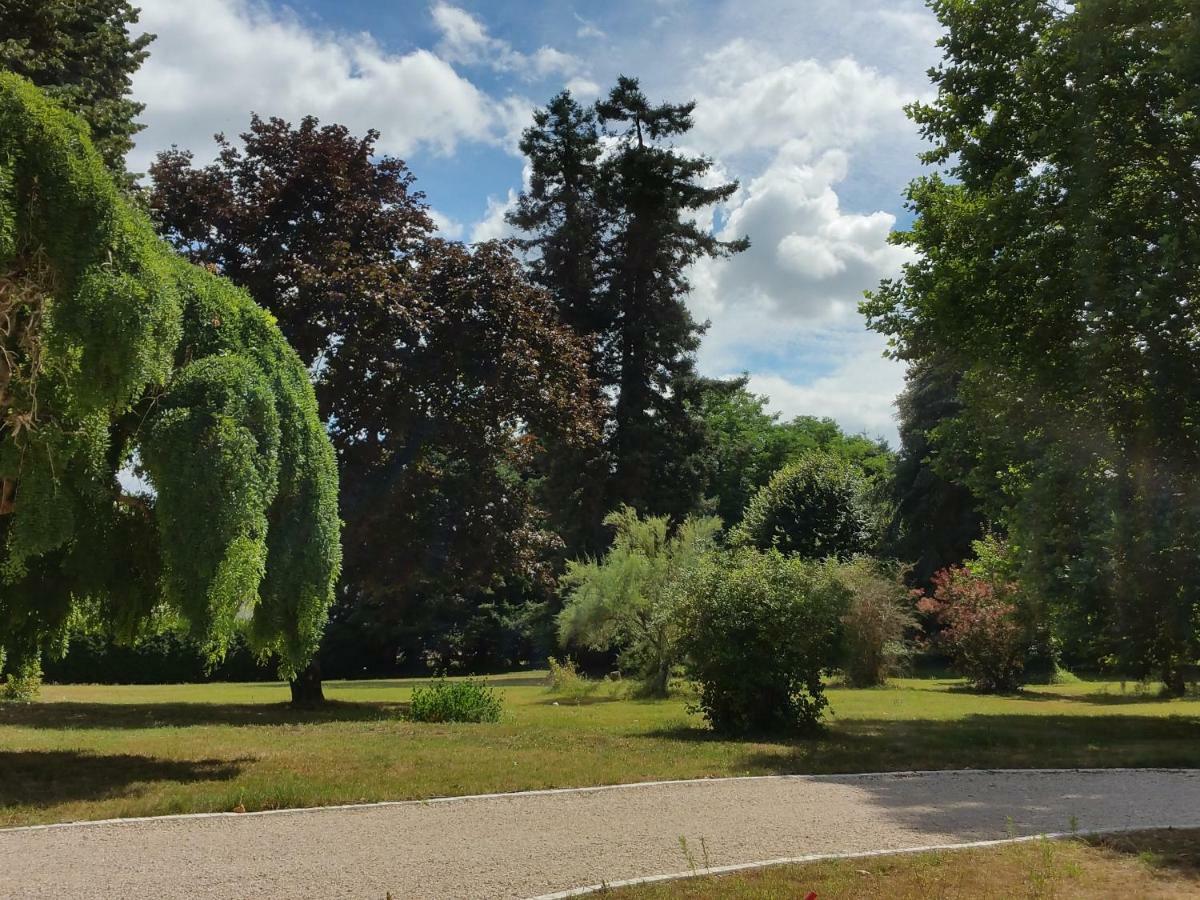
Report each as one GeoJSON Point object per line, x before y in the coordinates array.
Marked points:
{"type": "Point", "coordinates": [1151, 865]}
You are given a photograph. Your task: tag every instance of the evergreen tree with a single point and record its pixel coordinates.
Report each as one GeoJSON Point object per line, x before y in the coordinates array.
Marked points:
{"type": "Point", "coordinates": [82, 54]}
{"type": "Point", "coordinates": [561, 208]}
{"type": "Point", "coordinates": [936, 517]}
{"type": "Point", "coordinates": [649, 191]}
{"type": "Point", "coordinates": [612, 234]}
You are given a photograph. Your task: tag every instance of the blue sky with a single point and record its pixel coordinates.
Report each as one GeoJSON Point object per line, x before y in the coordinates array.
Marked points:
{"type": "Point", "coordinates": [799, 100]}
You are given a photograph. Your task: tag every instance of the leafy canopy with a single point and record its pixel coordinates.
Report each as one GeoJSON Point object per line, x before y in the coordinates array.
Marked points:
{"type": "Point", "coordinates": [816, 507]}
{"type": "Point", "coordinates": [1058, 263]}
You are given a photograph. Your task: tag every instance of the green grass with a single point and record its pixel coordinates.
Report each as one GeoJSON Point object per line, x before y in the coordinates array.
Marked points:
{"type": "Point", "coordinates": [87, 752]}
{"type": "Point", "coordinates": [1151, 864]}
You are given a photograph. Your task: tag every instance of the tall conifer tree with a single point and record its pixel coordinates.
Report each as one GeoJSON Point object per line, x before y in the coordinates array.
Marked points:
{"type": "Point", "coordinates": [613, 233]}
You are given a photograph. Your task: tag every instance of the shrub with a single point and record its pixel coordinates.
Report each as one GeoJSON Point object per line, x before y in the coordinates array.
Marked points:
{"type": "Point", "coordinates": [468, 700]}
{"type": "Point", "coordinates": [875, 622]}
{"type": "Point", "coordinates": [628, 599]}
{"type": "Point", "coordinates": [759, 629]}
{"type": "Point", "coordinates": [565, 679]}
{"type": "Point", "coordinates": [23, 683]}
{"type": "Point", "coordinates": [981, 627]}
{"type": "Point", "coordinates": [816, 507]}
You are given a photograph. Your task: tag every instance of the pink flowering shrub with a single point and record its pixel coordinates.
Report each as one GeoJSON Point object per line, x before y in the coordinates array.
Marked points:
{"type": "Point", "coordinates": [980, 627]}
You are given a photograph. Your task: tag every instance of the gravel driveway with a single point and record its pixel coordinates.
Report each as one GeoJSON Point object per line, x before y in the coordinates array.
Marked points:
{"type": "Point", "coordinates": [522, 845]}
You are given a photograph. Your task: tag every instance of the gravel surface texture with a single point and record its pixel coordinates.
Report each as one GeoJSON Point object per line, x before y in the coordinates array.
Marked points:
{"type": "Point", "coordinates": [523, 845]}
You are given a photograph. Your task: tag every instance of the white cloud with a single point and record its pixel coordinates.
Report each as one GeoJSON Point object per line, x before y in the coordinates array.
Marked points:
{"type": "Point", "coordinates": [513, 115]}
{"type": "Point", "coordinates": [466, 40]}
{"type": "Point", "coordinates": [752, 101]}
{"type": "Point", "coordinates": [588, 30]}
{"type": "Point", "coordinates": [447, 227]}
{"type": "Point", "coordinates": [492, 226]}
{"type": "Point", "coordinates": [796, 131]}
{"type": "Point", "coordinates": [809, 260]}
{"type": "Point", "coordinates": [859, 392]}
{"type": "Point", "coordinates": [583, 88]}
{"type": "Point", "coordinates": [215, 62]}
{"type": "Point", "coordinates": [463, 36]}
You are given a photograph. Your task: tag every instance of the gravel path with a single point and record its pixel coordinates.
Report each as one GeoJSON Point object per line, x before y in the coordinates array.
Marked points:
{"type": "Point", "coordinates": [522, 845]}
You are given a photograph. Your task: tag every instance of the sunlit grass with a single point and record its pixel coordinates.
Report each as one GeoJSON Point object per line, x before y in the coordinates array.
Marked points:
{"type": "Point", "coordinates": [1159, 864]}
{"type": "Point", "coordinates": [101, 751]}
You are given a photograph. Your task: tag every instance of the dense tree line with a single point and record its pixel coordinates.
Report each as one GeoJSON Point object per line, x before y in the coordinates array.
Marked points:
{"type": "Point", "coordinates": [508, 412]}
{"type": "Point", "coordinates": [1058, 264]}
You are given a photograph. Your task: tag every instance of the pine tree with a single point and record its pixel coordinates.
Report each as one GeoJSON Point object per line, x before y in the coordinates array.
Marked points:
{"type": "Point", "coordinates": [561, 209]}
{"type": "Point", "coordinates": [649, 191]}
{"type": "Point", "coordinates": [82, 54]}
{"type": "Point", "coordinates": [612, 235]}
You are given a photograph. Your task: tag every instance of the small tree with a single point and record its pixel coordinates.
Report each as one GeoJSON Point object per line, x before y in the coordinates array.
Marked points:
{"type": "Point", "coordinates": [875, 622]}
{"type": "Point", "coordinates": [759, 629]}
{"type": "Point", "coordinates": [629, 599]}
{"type": "Point", "coordinates": [816, 507]}
{"type": "Point", "coordinates": [981, 627]}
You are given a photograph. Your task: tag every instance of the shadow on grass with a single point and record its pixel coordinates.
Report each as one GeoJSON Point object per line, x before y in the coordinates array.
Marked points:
{"type": "Point", "coordinates": [1103, 698]}
{"type": "Point", "coordinates": [176, 715]}
{"type": "Point", "coordinates": [412, 681]}
{"type": "Point", "coordinates": [1167, 849]}
{"type": "Point", "coordinates": [44, 778]}
{"type": "Point", "coordinates": [974, 741]}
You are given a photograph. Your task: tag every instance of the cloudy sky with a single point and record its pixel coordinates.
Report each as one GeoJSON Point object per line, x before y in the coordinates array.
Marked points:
{"type": "Point", "coordinates": [799, 100]}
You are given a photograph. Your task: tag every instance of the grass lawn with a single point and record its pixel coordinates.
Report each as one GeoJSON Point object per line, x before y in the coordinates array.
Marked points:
{"type": "Point", "coordinates": [86, 752]}
{"type": "Point", "coordinates": [1152, 864]}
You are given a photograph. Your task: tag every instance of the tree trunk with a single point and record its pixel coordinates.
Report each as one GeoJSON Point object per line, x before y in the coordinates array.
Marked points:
{"type": "Point", "coordinates": [306, 687]}
{"type": "Point", "coordinates": [1175, 678]}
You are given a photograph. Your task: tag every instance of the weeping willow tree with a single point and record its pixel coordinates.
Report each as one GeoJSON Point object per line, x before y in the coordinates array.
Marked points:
{"type": "Point", "coordinates": [117, 356]}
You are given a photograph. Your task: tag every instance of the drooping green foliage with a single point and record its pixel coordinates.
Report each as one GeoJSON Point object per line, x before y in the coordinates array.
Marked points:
{"type": "Point", "coordinates": [759, 630]}
{"type": "Point", "coordinates": [628, 599]}
{"type": "Point", "coordinates": [83, 54]}
{"type": "Point", "coordinates": [1059, 261]}
{"type": "Point", "coordinates": [119, 355]}
{"type": "Point", "coordinates": [816, 507]}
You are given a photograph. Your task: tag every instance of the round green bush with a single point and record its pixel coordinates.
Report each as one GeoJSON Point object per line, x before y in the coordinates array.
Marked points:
{"type": "Point", "coordinates": [759, 629]}
{"type": "Point", "coordinates": [816, 507]}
